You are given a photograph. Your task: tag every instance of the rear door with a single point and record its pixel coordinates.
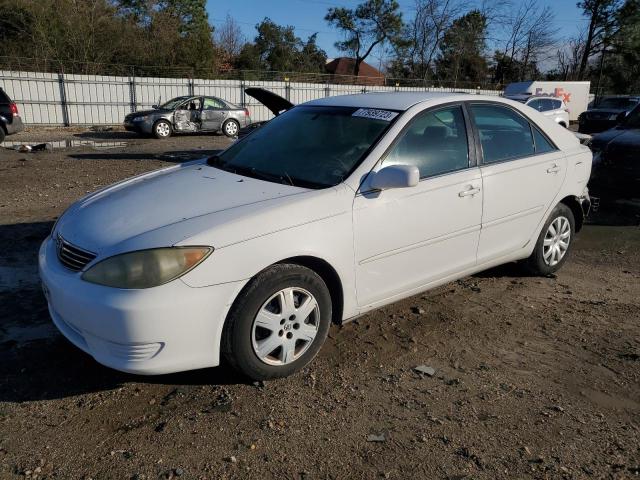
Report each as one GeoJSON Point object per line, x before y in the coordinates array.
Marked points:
{"type": "Point", "coordinates": [522, 172]}
{"type": "Point", "coordinates": [214, 113]}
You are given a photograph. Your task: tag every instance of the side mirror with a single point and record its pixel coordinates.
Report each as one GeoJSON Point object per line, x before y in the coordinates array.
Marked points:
{"type": "Point", "coordinates": [395, 176]}
{"type": "Point", "coordinates": [155, 107]}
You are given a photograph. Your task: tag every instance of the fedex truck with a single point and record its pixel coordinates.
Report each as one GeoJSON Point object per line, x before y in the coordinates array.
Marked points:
{"type": "Point", "coordinates": [574, 94]}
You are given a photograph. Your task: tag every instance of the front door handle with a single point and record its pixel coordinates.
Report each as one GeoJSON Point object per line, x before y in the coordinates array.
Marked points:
{"type": "Point", "coordinates": [471, 192]}
{"type": "Point", "coordinates": [554, 169]}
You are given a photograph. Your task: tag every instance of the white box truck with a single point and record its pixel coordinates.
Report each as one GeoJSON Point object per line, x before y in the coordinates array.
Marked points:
{"type": "Point", "coordinates": [574, 94]}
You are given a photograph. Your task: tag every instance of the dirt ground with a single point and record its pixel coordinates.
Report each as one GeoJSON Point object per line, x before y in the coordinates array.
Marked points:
{"type": "Point", "coordinates": [535, 377]}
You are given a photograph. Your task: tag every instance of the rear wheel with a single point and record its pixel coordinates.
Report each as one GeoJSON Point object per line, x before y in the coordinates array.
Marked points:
{"type": "Point", "coordinates": [162, 129]}
{"type": "Point", "coordinates": [554, 242]}
{"type": "Point", "coordinates": [230, 128]}
{"type": "Point", "coordinates": [278, 323]}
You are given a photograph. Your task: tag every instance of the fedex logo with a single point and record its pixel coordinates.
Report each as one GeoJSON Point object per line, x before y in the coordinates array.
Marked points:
{"type": "Point", "coordinates": [558, 92]}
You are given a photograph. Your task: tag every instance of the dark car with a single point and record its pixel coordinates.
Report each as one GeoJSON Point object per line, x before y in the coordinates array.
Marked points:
{"type": "Point", "coordinates": [274, 103]}
{"type": "Point", "coordinates": [616, 158]}
{"type": "Point", "coordinates": [606, 114]}
{"type": "Point", "coordinates": [189, 115]}
{"type": "Point", "coordinates": [10, 121]}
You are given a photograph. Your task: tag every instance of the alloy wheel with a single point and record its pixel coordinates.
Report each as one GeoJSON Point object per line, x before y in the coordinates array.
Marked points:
{"type": "Point", "coordinates": [556, 241]}
{"type": "Point", "coordinates": [285, 326]}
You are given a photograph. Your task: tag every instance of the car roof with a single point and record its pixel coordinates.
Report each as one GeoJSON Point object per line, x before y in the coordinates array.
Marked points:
{"type": "Point", "coordinates": [394, 100]}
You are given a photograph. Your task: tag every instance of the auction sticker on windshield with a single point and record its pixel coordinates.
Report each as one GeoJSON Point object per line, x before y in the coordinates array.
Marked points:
{"type": "Point", "coordinates": [376, 114]}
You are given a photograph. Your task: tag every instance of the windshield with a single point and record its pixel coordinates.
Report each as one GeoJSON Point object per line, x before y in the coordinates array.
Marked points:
{"type": "Point", "coordinates": [313, 147]}
{"type": "Point", "coordinates": [173, 103]}
{"type": "Point", "coordinates": [617, 103]}
{"type": "Point", "coordinates": [633, 119]}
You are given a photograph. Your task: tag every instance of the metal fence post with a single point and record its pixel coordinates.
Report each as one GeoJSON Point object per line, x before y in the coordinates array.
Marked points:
{"type": "Point", "coordinates": [327, 90]}
{"type": "Point", "coordinates": [287, 89]}
{"type": "Point", "coordinates": [132, 93]}
{"type": "Point", "coordinates": [190, 87]}
{"type": "Point", "coordinates": [243, 102]}
{"type": "Point", "coordinates": [63, 100]}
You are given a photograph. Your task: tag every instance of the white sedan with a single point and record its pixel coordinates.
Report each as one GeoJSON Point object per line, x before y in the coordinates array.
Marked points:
{"type": "Point", "coordinates": [332, 209]}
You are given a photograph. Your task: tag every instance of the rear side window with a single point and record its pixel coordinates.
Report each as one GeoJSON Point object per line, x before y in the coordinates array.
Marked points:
{"type": "Point", "coordinates": [557, 104]}
{"type": "Point", "coordinates": [435, 142]}
{"type": "Point", "coordinates": [504, 134]}
{"type": "Point", "coordinates": [4, 98]}
{"type": "Point", "coordinates": [536, 104]}
{"type": "Point", "coordinates": [213, 104]}
{"type": "Point", "coordinates": [542, 144]}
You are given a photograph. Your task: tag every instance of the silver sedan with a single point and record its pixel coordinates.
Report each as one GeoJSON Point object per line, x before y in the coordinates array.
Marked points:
{"type": "Point", "coordinates": [189, 115]}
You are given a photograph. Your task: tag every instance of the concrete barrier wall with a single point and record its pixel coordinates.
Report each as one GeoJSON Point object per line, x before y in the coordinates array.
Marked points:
{"type": "Point", "coordinates": [64, 100]}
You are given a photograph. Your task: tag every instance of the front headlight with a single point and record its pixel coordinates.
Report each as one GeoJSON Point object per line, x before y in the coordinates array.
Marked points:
{"type": "Point", "coordinates": [146, 268]}
{"type": "Point", "coordinates": [140, 119]}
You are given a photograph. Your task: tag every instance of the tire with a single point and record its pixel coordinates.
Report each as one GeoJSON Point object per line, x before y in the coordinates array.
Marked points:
{"type": "Point", "coordinates": [258, 342]}
{"type": "Point", "coordinates": [162, 129]}
{"type": "Point", "coordinates": [2, 134]}
{"type": "Point", "coordinates": [547, 259]}
{"type": "Point", "coordinates": [230, 128]}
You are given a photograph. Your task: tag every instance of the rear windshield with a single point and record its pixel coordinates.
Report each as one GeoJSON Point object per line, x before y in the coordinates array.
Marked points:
{"type": "Point", "coordinates": [313, 147]}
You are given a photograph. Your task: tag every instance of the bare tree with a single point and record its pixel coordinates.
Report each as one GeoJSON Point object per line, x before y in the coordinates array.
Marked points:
{"type": "Point", "coordinates": [529, 39]}
{"type": "Point", "coordinates": [427, 29]}
{"type": "Point", "coordinates": [229, 39]}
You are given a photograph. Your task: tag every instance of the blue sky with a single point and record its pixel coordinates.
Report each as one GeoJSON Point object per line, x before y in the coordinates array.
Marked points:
{"type": "Point", "coordinates": [307, 16]}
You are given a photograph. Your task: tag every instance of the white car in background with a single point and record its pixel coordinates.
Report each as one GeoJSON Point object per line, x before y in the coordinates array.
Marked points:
{"type": "Point", "coordinates": [332, 209]}
{"type": "Point", "coordinates": [551, 107]}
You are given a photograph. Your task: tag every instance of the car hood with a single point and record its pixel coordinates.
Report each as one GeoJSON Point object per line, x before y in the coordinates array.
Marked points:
{"type": "Point", "coordinates": [275, 103]}
{"type": "Point", "coordinates": [155, 209]}
{"type": "Point", "coordinates": [621, 137]}
{"type": "Point", "coordinates": [606, 111]}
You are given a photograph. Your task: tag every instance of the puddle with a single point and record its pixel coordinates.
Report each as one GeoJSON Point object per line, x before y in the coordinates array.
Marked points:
{"type": "Point", "coordinates": [15, 278]}
{"type": "Point", "coordinates": [68, 143]}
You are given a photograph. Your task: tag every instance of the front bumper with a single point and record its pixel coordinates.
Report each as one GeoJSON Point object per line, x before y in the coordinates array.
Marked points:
{"type": "Point", "coordinates": [159, 330]}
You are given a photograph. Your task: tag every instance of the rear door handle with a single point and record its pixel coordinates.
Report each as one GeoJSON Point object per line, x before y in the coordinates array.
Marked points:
{"type": "Point", "coordinates": [554, 169]}
{"type": "Point", "coordinates": [471, 192]}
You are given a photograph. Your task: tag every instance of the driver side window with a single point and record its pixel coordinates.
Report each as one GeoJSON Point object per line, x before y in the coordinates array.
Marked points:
{"type": "Point", "coordinates": [435, 142]}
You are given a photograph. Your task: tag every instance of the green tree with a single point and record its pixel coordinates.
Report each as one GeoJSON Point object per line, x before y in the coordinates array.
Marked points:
{"type": "Point", "coordinates": [371, 24]}
{"type": "Point", "coordinates": [621, 65]}
{"type": "Point", "coordinates": [462, 50]}
{"type": "Point", "coordinates": [277, 48]}
{"type": "Point", "coordinates": [602, 26]}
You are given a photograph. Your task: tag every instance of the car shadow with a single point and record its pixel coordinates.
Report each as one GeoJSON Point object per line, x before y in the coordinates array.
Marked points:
{"type": "Point", "coordinates": [37, 362]}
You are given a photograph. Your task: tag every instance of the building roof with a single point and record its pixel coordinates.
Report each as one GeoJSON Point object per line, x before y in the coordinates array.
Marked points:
{"type": "Point", "coordinates": [344, 66]}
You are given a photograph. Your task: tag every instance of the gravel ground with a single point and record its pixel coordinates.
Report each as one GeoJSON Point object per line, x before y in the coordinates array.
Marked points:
{"type": "Point", "coordinates": [534, 377]}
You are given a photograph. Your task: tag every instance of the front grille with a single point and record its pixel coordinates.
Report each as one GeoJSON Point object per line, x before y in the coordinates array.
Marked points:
{"type": "Point", "coordinates": [72, 257]}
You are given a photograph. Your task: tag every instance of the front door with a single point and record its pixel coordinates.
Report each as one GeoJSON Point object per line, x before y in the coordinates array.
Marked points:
{"type": "Point", "coordinates": [214, 113]}
{"type": "Point", "coordinates": [522, 172]}
{"type": "Point", "coordinates": [406, 238]}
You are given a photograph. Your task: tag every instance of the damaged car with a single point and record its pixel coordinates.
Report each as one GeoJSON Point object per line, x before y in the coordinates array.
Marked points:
{"type": "Point", "coordinates": [189, 114]}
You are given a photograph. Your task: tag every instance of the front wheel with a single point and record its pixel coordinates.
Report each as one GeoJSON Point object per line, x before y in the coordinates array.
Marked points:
{"type": "Point", "coordinates": [554, 242]}
{"type": "Point", "coordinates": [162, 129]}
{"type": "Point", "coordinates": [278, 323]}
{"type": "Point", "coordinates": [230, 128]}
